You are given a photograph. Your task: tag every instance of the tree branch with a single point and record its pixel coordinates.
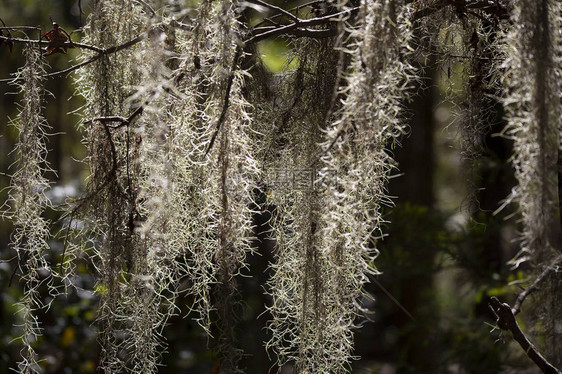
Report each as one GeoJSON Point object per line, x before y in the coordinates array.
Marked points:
{"type": "Point", "coordinates": [295, 9]}
{"type": "Point", "coordinates": [69, 44]}
{"type": "Point", "coordinates": [274, 7]}
{"type": "Point", "coordinates": [517, 306]}
{"type": "Point", "coordinates": [226, 98]}
{"type": "Point", "coordinates": [506, 321]}
{"type": "Point", "coordinates": [124, 121]}
{"type": "Point", "coordinates": [35, 28]}
{"type": "Point", "coordinates": [298, 27]}
{"type": "Point", "coordinates": [505, 316]}
{"type": "Point", "coordinates": [101, 52]}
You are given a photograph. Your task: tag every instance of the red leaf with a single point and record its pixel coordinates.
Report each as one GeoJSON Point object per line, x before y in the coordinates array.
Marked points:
{"type": "Point", "coordinates": [56, 35]}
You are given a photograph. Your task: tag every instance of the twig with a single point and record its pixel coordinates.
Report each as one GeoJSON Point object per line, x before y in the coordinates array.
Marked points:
{"type": "Point", "coordinates": [83, 200]}
{"type": "Point", "coordinates": [13, 275]}
{"type": "Point", "coordinates": [473, 57]}
{"type": "Point", "coordinates": [151, 9]}
{"type": "Point", "coordinates": [111, 174]}
{"type": "Point", "coordinates": [394, 300]}
{"type": "Point", "coordinates": [124, 121]}
{"type": "Point", "coordinates": [506, 321]}
{"type": "Point", "coordinates": [274, 7]}
{"type": "Point", "coordinates": [295, 9]}
{"type": "Point", "coordinates": [299, 26]}
{"type": "Point", "coordinates": [278, 30]}
{"type": "Point", "coordinates": [102, 52]}
{"type": "Point", "coordinates": [517, 306]}
{"type": "Point", "coordinates": [69, 44]}
{"type": "Point", "coordinates": [34, 28]}
{"type": "Point", "coordinates": [226, 98]}
{"type": "Point", "coordinates": [107, 177]}
{"type": "Point", "coordinates": [330, 146]}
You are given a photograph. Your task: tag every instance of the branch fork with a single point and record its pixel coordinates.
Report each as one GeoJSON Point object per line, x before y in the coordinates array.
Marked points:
{"type": "Point", "coordinates": [505, 320]}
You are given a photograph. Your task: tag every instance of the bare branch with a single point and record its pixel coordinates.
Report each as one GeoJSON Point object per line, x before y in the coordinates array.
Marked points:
{"type": "Point", "coordinates": [124, 121]}
{"type": "Point", "coordinates": [108, 177]}
{"type": "Point", "coordinates": [226, 98]}
{"type": "Point", "coordinates": [102, 52]}
{"type": "Point", "coordinates": [35, 28]}
{"type": "Point", "coordinates": [280, 10]}
{"type": "Point", "coordinates": [517, 306]}
{"type": "Point", "coordinates": [295, 9]}
{"type": "Point", "coordinates": [298, 27]}
{"type": "Point", "coordinates": [51, 44]}
{"type": "Point", "coordinates": [506, 321]}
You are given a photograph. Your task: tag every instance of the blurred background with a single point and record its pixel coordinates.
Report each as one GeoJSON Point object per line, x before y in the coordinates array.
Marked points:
{"type": "Point", "coordinates": [443, 257]}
